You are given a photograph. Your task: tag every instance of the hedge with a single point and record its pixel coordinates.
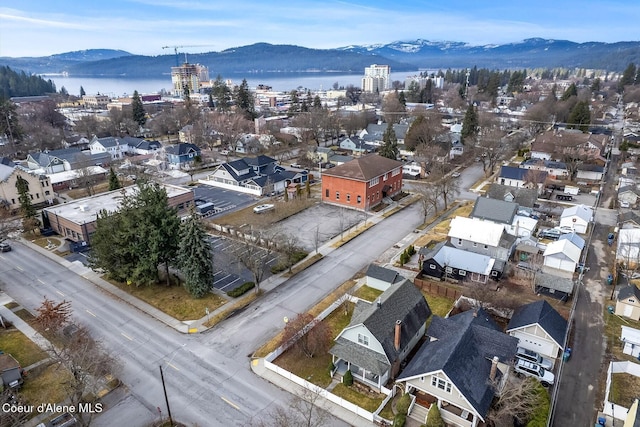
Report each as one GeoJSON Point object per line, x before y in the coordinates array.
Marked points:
{"type": "Point", "coordinates": [241, 290]}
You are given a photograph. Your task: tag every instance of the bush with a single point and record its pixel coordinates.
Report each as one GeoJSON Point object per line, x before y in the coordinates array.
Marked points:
{"type": "Point", "coordinates": [434, 419]}
{"type": "Point", "coordinates": [403, 404]}
{"type": "Point", "coordinates": [411, 250]}
{"type": "Point", "coordinates": [347, 379]}
{"type": "Point", "coordinates": [399, 420]}
{"type": "Point", "coordinates": [541, 413]}
{"type": "Point", "coordinates": [331, 367]}
{"type": "Point", "coordinates": [241, 290]}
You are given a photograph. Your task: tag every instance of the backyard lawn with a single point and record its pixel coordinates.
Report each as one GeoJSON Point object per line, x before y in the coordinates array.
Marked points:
{"type": "Point", "coordinates": [15, 343]}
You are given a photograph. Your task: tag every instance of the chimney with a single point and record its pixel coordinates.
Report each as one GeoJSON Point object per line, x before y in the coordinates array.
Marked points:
{"type": "Point", "coordinates": [396, 338]}
{"type": "Point", "coordinates": [494, 368]}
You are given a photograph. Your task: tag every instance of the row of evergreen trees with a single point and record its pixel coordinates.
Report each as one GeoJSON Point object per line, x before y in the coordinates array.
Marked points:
{"type": "Point", "coordinates": [13, 83]}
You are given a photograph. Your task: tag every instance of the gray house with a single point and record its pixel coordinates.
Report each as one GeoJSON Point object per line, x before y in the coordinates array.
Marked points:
{"type": "Point", "coordinates": [381, 335]}
{"type": "Point", "coordinates": [457, 368]}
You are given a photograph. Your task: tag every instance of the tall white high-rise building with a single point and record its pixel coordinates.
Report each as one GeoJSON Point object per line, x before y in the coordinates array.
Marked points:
{"type": "Point", "coordinates": [376, 78]}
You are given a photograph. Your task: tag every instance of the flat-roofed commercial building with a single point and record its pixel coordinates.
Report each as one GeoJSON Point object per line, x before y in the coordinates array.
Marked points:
{"type": "Point", "coordinates": [76, 221]}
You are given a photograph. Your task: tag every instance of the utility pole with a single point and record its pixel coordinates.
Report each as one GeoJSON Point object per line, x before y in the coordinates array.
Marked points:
{"type": "Point", "coordinates": [166, 399]}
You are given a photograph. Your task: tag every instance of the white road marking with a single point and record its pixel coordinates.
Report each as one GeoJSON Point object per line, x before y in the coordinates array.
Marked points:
{"type": "Point", "coordinates": [61, 294]}
{"type": "Point", "coordinates": [173, 366]}
{"type": "Point", "coordinates": [126, 336]}
{"type": "Point", "coordinates": [230, 403]}
{"type": "Point", "coordinates": [91, 313]}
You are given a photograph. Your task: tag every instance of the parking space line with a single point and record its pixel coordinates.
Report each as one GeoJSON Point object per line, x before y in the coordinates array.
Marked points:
{"type": "Point", "coordinates": [61, 294]}
{"type": "Point", "coordinates": [229, 284]}
{"type": "Point", "coordinates": [126, 336]}
{"type": "Point", "coordinates": [216, 281]}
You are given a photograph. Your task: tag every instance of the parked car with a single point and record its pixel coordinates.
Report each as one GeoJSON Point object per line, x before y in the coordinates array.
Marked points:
{"type": "Point", "coordinates": [532, 356]}
{"type": "Point", "coordinates": [564, 229]}
{"type": "Point", "coordinates": [531, 369]}
{"type": "Point", "coordinates": [263, 208]}
{"type": "Point", "coordinates": [455, 174]}
{"type": "Point", "coordinates": [5, 247]}
{"type": "Point", "coordinates": [224, 152]}
{"type": "Point", "coordinates": [551, 234]}
{"type": "Point", "coordinates": [564, 197]}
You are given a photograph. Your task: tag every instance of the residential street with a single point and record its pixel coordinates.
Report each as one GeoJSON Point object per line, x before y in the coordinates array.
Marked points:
{"type": "Point", "coordinates": [208, 376]}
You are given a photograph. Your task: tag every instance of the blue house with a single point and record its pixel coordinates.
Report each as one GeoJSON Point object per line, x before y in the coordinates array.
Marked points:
{"type": "Point", "coordinates": [182, 154]}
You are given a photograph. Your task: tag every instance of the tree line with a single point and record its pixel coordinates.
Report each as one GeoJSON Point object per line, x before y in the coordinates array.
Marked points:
{"type": "Point", "coordinates": [13, 83]}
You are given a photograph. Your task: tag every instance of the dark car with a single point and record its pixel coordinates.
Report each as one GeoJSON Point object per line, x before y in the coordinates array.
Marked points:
{"type": "Point", "coordinates": [5, 247]}
{"type": "Point", "coordinates": [610, 238]}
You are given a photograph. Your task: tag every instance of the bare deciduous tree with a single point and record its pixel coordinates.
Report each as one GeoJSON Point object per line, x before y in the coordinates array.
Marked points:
{"type": "Point", "coordinates": [308, 335]}
{"type": "Point", "coordinates": [53, 315]}
{"type": "Point", "coordinates": [255, 254]}
{"type": "Point", "coordinates": [87, 362]}
{"type": "Point", "coordinates": [305, 409]}
{"type": "Point", "coordinates": [518, 399]}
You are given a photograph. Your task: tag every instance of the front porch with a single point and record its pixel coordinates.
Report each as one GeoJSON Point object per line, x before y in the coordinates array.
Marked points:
{"type": "Point", "coordinates": [359, 374]}
{"type": "Point", "coordinates": [451, 414]}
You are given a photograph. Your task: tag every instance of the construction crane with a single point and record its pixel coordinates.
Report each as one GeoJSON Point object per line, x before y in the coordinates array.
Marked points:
{"type": "Point", "coordinates": [175, 49]}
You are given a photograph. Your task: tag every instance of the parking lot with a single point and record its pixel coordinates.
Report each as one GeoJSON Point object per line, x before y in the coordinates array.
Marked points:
{"type": "Point", "coordinates": [223, 200]}
{"type": "Point", "coordinates": [229, 271]}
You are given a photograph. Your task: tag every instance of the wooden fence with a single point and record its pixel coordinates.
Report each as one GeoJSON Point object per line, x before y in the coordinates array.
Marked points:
{"type": "Point", "coordinates": [436, 288]}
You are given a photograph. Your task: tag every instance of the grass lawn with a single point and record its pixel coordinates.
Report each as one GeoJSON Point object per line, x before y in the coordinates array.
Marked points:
{"type": "Point", "coordinates": [367, 293]}
{"type": "Point", "coordinates": [369, 401]}
{"type": "Point", "coordinates": [625, 388]}
{"type": "Point", "coordinates": [46, 386]}
{"type": "Point", "coordinates": [174, 300]}
{"type": "Point", "coordinates": [25, 351]}
{"type": "Point", "coordinates": [316, 369]}
{"type": "Point", "coordinates": [439, 305]}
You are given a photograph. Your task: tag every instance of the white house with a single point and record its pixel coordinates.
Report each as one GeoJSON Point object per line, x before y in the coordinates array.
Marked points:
{"type": "Point", "coordinates": [562, 254]}
{"type": "Point", "coordinates": [116, 147]}
{"type": "Point", "coordinates": [577, 218]}
{"type": "Point", "coordinates": [382, 278]}
{"type": "Point", "coordinates": [540, 328]}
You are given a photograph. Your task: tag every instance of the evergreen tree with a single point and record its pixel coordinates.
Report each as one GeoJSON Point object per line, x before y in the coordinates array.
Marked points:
{"type": "Point", "coordinates": [402, 99]}
{"type": "Point", "coordinates": [317, 103]}
{"type": "Point", "coordinates": [114, 182]}
{"type": "Point", "coordinates": [210, 102]}
{"type": "Point", "coordinates": [595, 86]}
{"type": "Point", "coordinates": [572, 90]}
{"type": "Point", "coordinates": [470, 122]}
{"type": "Point", "coordinates": [294, 104]}
{"type": "Point", "coordinates": [580, 116]}
{"type": "Point", "coordinates": [628, 77]}
{"type": "Point", "coordinates": [194, 257]}
{"type": "Point", "coordinates": [9, 123]}
{"type": "Point", "coordinates": [29, 220]}
{"type": "Point", "coordinates": [82, 92]}
{"type": "Point", "coordinates": [132, 243]}
{"type": "Point", "coordinates": [244, 100]}
{"type": "Point", "coordinates": [139, 115]}
{"type": "Point", "coordinates": [390, 147]}
{"type": "Point", "coordinates": [221, 94]}
{"type": "Point", "coordinates": [64, 93]}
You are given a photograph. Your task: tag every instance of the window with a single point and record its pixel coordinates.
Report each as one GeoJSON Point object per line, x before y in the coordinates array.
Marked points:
{"type": "Point", "coordinates": [363, 339]}
{"type": "Point", "coordinates": [348, 197]}
{"type": "Point", "coordinates": [486, 247]}
{"type": "Point", "coordinates": [359, 199]}
{"type": "Point", "coordinates": [459, 242]}
{"type": "Point", "coordinates": [448, 270]}
{"type": "Point", "coordinates": [337, 195]}
{"type": "Point", "coordinates": [385, 177]}
{"type": "Point", "coordinates": [395, 172]}
{"type": "Point", "coordinates": [374, 182]}
{"type": "Point", "coordinates": [431, 266]}
{"type": "Point", "coordinates": [47, 193]}
{"type": "Point", "coordinates": [441, 384]}
{"type": "Point", "coordinates": [475, 244]}
{"type": "Point", "coordinates": [326, 193]}
{"type": "Point", "coordinates": [462, 272]}
{"type": "Point", "coordinates": [494, 273]}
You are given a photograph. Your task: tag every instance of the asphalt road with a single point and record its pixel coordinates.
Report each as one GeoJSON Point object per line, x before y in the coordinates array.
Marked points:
{"type": "Point", "coordinates": [208, 377]}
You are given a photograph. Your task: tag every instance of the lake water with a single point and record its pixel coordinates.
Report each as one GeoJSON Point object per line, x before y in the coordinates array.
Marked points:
{"type": "Point", "coordinates": [118, 86]}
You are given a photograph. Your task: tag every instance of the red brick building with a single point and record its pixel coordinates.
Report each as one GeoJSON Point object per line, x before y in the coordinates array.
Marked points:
{"type": "Point", "coordinates": [363, 182]}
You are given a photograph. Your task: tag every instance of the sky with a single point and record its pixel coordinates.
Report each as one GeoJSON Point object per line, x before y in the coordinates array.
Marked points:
{"type": "Point", "coordinates": [45, 27]}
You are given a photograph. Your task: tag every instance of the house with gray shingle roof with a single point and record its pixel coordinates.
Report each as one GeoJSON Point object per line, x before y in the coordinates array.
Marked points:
{"type": "Point", "coordinates": [457, 368]}
{"type": "Point", "coordinates": [182, 154]}
{"type": "Point", "coordinates": [66, 159]}
{"type": "Point", "coordinates": [381, 278]}
{"type": "Point", "coordinates": [628, 302]}
{"type": "Point", "coordinates": [116, 147]}
{"type": "Point", "coordinates": [522, 178]}
{"type": "Point", "coordinates": [254, 175]}
{"type": "Point", "coordinates": [522, 196]}
{"type": "Point", "coordinates": [539, 327]}
{"type": "Point", "coordinates": [381, 335]}
{"type": "Point", "coordinates": [498, 211]}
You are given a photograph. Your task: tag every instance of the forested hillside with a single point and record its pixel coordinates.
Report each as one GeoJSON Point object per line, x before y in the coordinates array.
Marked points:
{"type": "Point", "coordinates": [13, 83]}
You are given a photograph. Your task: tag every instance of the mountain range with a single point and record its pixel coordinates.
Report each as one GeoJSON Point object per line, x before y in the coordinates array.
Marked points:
{"type": "Point", "coordinates": [400, 55]}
